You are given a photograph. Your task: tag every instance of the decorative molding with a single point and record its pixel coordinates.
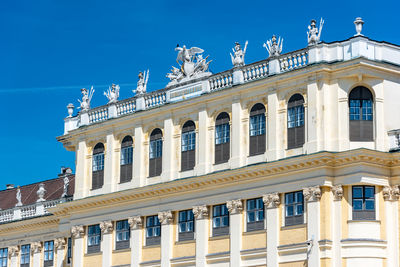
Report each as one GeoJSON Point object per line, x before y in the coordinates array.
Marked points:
{"type": "Point", "coordinates": [337, 191]}
{"type": "Point", "coordinates": [135, 222]}
{"type": "Point", "coordinates": [391, 193]}
{"type": "Point", "coordinates": [106, 227]}
{"type": "Point", "coordinates": [77, 231]}
{"type": "Point", "coordinates": [200, 212]}
{"type": "Point", "coordinates": [234, 206]}
{"type": "Point", "coordinates": [36, 247]}
{"type": "Point", "coordinates": [271, 200]}
{"type": "Point", "coordinates": [60, 242]}
{"type": "Point", "coordinates": [312, 193]}
{"type": "Point", "coordinates": [13, 251]}
{"type": "Point", "coordinates": [165, 217]}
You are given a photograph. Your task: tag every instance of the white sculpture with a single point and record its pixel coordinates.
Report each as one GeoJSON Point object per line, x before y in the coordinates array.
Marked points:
{"type": "Point", "coordinates": [359, 24]}
{"type": "Point", "coordinates": [314, 34]}
{"type": "Point", "coordinates": [18, 196]}
{"type": "Point", "coordinates": [86, 98]}
{"type": "Point", "coordinates": [112, 94]}
{"type": "Point", "coordinates": [238, 54]}
{"type": "Point", "coordinates": [65, 189]}
{"type": "Point", "coordinates": [40, 193]}
{"type": "Point", "coordinates": [274, 48]}
{"type": "Point", "coordinates": [192, 65]}
{"type": "Point", "coordinates": [142, 83]}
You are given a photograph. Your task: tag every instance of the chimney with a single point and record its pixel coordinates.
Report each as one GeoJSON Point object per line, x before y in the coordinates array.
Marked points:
{"type": "Point", "coordinates": [65, 171]}
{"type": "Point", "coordinates": [9, 186]}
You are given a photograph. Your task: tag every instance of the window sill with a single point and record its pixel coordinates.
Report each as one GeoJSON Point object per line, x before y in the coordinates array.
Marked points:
{"type": "Point", "coordinates": [94, 253]}
{"type": "Point", "coordinates": [263, 231]}
{"type": "Point", "coordinates": [295, 226]}
{"type": "Point", "coordinates": [218, 237]}
{"type": "Point", "coordinates": [151, 246]}
{"type": "Point", "coordinates": [121, 250]}
{"type": "Point", "coordinates": [125, 182]}
{"type": "Point", "coordinates": [356, 221]}
{"type": "Point", "coordinates": [185, 242]}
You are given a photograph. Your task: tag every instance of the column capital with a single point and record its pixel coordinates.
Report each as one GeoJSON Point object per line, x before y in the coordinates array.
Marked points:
{"type": "Point", "coordinates": [337, 191]}
{"type": "Point", "coordinates": [135, 222]}
{"type": "Point", "coordinates": [165, 217]}
{"type": "Point", "coordinates": [234, 206]}
{"type": "Point", "coordinates": [106, 227]}
{"type": "Point", "coordinates": [391, 193]}
{"type": "Point", "coordinates": [13, 251]}
{"type": "Point", "coordinates": [312, 193]}
{"type": "Point", "coordinates": [271, 200]}
{"type": "Point", "coordinates": [77, 231]}
{"type": "Point", "coordinates": [60, 242]}
{"type": "Point", "coordinates": [36, 247]}
{"type": "Point", "coordinates": [200, 212]}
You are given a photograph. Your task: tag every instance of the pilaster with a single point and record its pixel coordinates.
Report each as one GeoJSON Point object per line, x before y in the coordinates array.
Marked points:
{"type": "Point", "coordinates": [235, 208]}
{"type": "Point", "coordinates": [59, 246]}
{"type": "Point", "coordinates": [109, 165]}
{"type": "Point", "coordinates": [312, 116]}
{"type": "Point", "coordinates": [272, 127]}
{"type": "Point", "coordinates": [78, 232]}
{"type": "Point", "coordinates": [139, 158]}
{"type": "Point", "coordinates": [203, 144]}
{"type": "Point", "coordinates": [13, 253]}
{"type": "Point", "coordinates": [336, 220]}
{"type": "Point", "coordinates": [391, 196]}
{"type": "Point", "coordinates": [36, 250]}
{"type": "Point", "coordinates": [238, 156]}
{"type": "Point", "coordinates": [271, 204]}
{"type": "Point", "coordinates": [168, 151]}
{"type": "Point", "coordinates": [166, 220]}
{"type": "Point", "coordinates": [201, 218]}
{"type": "Point", "coordinates": [81, 183]}
{"type": "Point", "coordinates": [136, 225]}
{"type": "Point", "coordinates": [106, 228]}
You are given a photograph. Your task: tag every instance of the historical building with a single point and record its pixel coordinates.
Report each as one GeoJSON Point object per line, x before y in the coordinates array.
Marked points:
{"type": "Point", "coordinates": [289, 161]}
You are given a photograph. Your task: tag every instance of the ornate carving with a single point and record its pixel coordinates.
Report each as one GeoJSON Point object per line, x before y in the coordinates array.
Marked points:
{"type": "Point", "coordinates": [165, 217]}
{"type": "Point", "coordinates": [135, 222]}
{"type": "Point", "coordinates": [106, 227]}
{"type": "Point", "coordinates": [36, 247]}
{"type": "Point", "coordinates": [18, 196]}
{"type": "Point", "coordinates": [13, 251]}
{"type": "Point", "coordinates": [337, 191]}
{"type": "Point", "coordinates": [312, 193]}
{"type": "Point", "coordinates": [200, 212]}
{"type": "Point", "coordinates": [86, 98]}
{"type": "Point", "coordinates": [234, 206]}
{"type": "Point", "coordinates": [77, 231]}
{"type": "Point", "coordinates": [112, 93]}
{"type": "Point", "coordinates": [314, 34]}
{"type": "Point", "coordinates": [272, 200]}
{"type": "Point", "coordinates": [273, 47]}
{"type": "Point", "coordinates": [142, 83]}
{"type": "Point", "coordinates": [391, 193]}
{"type": "Point", "coordinates": [359, 24]}
{"type": "Point", "coordinates": [65, 188]}
{"type": "Point", "coordinates": [238, 54]}
{"type": "Point", "coordinates": [40, 193]}
{"type": "Point", "coordinates": [59, 243]}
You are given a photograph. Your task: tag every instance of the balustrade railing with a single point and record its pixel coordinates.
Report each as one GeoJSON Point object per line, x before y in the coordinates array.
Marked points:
{"type": "Point", "coordinates": [98, 114]}
{"type": "Point", "coordinates": [255, 71]}
{"type": "Point", "coordinates": [155, 98]}
{"type": "Point", "coordinates": [28, 211]}
{"type": "Point", "coordinates": [221, 80]}
{"type": "Point", "coordinates": [6, 215]}
{"type": "Point", "coordinates": [126, 106]}
{"type": "Point", "coordinates": [294, 60]}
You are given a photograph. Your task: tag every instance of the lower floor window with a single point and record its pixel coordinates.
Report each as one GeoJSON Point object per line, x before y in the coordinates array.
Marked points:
{"type": "Point", "coordinates": [255, 214]}
{"type": "Point", "coordinates": [220, 220]}
{"type": "Point", "coordinates": [363, 202]}
{"type": "Point", "coordinates": [186, 225]}
{"type": "Point", "coordinates": [294, 208]}
{"type": "Point", "coordinates": [48, 253]}
{"type": "Point", "coordinates": [153, 230]}
{"type": "Point", "coordinates": [3, 257]}
{"type": "Point", "coordinates": [94, 238]}
{"type": "Point", "coordinates": [25, 255]}
{"type": "Point", "coordinates": [122, 234]}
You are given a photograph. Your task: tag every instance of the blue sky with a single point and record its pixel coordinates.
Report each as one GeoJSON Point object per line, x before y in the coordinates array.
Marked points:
{"type": "Point", "coordinates": [51, 49]}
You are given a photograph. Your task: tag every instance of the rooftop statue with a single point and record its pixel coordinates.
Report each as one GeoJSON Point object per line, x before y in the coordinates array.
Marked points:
{"type": "Point", "coordinates": [313, 33]}
{"type": "Point", "coordinates": [112, 94]}
{"type": "Point", "coordinates": [274, 48]}
{"type": "Point", "coordinates": [142, 83]}
{"type": "Point", "coordinates": [192, 65]}
{"type": "Point", "coordinates": [40, 193]}
{"type": "Point", "coordinates": [238, 54]}
{"type": "Point", "coordinates": [18, 196]}
{"type": "Point", "coordinates": [86, 98]}
{"type": "Point", "coordinates": [65, 188]}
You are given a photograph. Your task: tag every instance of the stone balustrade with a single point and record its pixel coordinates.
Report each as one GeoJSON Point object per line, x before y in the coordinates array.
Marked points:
{"type": "Point", "coordinates": [98, 114]}
{"type": "Point", "coordinates": [255, 71]}
{"type": "Point", "coordinates": [126, 106]}
{"type": "Point", "coordinates": [154, 99]}
{"type": "Point", "coordinates": [221, 80]}
{"type": "Point", "coordinates": [294, 60]}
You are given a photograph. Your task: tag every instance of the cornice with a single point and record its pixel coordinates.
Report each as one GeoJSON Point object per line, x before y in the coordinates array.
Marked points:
{"type": "Point", "coordinates": [30, 224]}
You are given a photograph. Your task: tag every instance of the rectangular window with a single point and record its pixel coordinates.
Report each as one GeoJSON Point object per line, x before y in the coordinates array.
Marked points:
{"type": "Point", "coordinates": [220, 220]}
{"type": "Point", "coordinates": [363, 202]}
{"type": "Point", "coordinates": [25, 255]}
{"type": "Point", "coordinates": [255, 214]}
{"type": "Point", "coordinates": [94, 238]}
{"type": "Point", "coordinates": [3, 257]}
{"type": "Point", "coordinates": [355, 106]}
{"type": "Point", "coordinates": [122, 234]}
{"type": "Point", "coordinates": [69, 250]}
{"type": "Point", "coordinates": [257, 125]}
{"type": "Point", "coordinates": [367, 110]}
{"type": "Point", "coordinates": [296, 116]}
{"type": "Point", "coordinates": [155, 149]}
{"type": "Point", "coordinates": [222, 134]}
{"type": "Point", "coordinates": [126, 155]}
{"type": "Point", "coordinates": [98, 162]}
{"type": "Point", "coordinates": [188, 141]}
{"type": "Point", "coordinates": [153, 230]}
{"type": "Point", "coordinates": [294, 208]}
{"type": "Point", "coordinates": [48, 253]}
{"type": "Point", "coordinates": [186, 225]}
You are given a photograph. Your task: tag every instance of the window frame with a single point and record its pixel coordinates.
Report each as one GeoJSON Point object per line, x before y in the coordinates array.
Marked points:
{"type": "Point", "coordinates": [155, 153]}
{"type": "Point", "coordinates": [124, 231]}
{"type": "Point", "coordinates": [3, 257]}
{"type": "Point", "coordinates": [189, 222]}
{"type": "Point", "coordinates": [155, 226]}
{"type": "Point", "coordinates": [294, 219]}
{"type": "Point", "coordinates": [126, 159]}
{"type": "Point", "coordinates": [98, 166]}
{"type": "Point", "coordinates": [363, 214]}
{"type": "Point", "coordinates": [188, 146]}
{"type": "Point", "coordinates": [49, 251]}
{"type": "Point", "coordinates": [361, 114]}
{"type": "Point", "coordinates": [257, 223]}
{"type": "Point", "coordinates": [257, 130]}
{"type": "Point", "coordinates": [296, 120]}
{"type": "Point", "coordinates": [69, 250]}
{"type": "Point", "coordinates": [222, 138]}
{"type": "Point", "coordinates": [96, 237]}
{"type": "Point", "coordinates": [220, 212]}
{"type": "Point", "coordinates": [25, 258]}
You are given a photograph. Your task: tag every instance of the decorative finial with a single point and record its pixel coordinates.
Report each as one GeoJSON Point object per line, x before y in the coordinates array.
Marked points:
{"type": "Point", "coordinates": [238, 54]}
{"type": "Point", "coordinates": [359, 24]}
{"type": "Point", "coordinates": [86, 98]}
{"type": "Point", "coordinates": [18, 196]}
{"type": "Point", "coordinates": [314, 34]}
{"type": "Point", "coordinates": [142, 83]}
{"type": "Point", "coordinates": [40, 193]}
{"type": "Point", "coordinates": [70, 108]}
{"type": "Point", "coordinates": [112, 93]}
{"type": "Point", "coordinates": [273, 47]}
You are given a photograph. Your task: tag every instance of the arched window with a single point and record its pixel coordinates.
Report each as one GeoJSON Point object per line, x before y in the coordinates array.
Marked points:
{"type": "Point", "coordinates": [126, 160]}
{"type": "Point", "coordinates": [188, 146]}
{"type": "Point", "coordinates": [222, 138]}
{"type": "Point", "coordinates": [295, 121]}
{"type": "Point", "coordinates": [257, 129]}
{"type": "Point", "coordinates": [98, 166]}
{"type": "Point", "coordinates": [155, 166]}
{"type": "Point", "coordinates": [361, 114]}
